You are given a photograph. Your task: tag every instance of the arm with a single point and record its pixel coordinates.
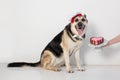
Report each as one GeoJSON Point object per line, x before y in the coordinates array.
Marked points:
{"type": "Point", "coordinates": [113, 41]}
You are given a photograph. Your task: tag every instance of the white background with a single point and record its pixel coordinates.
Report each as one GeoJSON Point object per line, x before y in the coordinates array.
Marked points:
{"type": "Point", "coordinates": [27, 26]}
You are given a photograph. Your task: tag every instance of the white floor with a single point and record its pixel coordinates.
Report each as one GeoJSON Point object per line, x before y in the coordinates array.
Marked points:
{"type": "Point", "coordinates": [91, 73]}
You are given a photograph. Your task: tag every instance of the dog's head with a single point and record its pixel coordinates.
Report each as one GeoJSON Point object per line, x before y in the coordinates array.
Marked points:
{"type": "Point", "coordinates": [79, 24]}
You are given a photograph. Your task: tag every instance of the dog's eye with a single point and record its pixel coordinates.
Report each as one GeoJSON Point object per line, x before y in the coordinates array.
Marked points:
{"type": "Point", "coordinates": [76, 20]}
{"type": "Point", "coordinates": [83, 19]}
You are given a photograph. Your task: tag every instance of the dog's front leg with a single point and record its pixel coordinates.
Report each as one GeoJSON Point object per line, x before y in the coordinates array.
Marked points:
{"type": "Point", "coordinates": [77, 57]}
{"type": "Point", "coordinates": [67, 62]}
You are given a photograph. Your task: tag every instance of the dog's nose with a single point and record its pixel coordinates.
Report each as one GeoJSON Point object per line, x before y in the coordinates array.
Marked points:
{"type": "Point", "coordinates": [80, 24]}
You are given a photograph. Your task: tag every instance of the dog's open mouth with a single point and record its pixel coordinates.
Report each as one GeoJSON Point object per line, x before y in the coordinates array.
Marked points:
{"type": "Point", "coordinates": [80, 29]}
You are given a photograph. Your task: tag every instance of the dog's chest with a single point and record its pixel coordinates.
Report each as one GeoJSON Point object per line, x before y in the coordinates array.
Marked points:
{"type": "Point", "coordinates": [74, 49]}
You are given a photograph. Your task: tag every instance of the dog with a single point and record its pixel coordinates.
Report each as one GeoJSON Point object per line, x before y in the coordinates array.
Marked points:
{"type": "Point", "coordinates": [57, 53]}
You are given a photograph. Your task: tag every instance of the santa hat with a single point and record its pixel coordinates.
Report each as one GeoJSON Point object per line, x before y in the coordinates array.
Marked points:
{"type": "Point", "coordinates": [72, 19]}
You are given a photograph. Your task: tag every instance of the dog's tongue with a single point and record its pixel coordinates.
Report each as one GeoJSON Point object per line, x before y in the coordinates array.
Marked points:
{"type": "Point", "coordinates": [79, 31]}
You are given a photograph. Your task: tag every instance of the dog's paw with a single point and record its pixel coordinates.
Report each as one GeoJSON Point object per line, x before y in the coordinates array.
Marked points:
{"type": "Point", "coordinates": [57, 69]}
{"type": "Point", "coordinates": [70, 71]}
{"type": "Point", "coordinates": [81, 69]}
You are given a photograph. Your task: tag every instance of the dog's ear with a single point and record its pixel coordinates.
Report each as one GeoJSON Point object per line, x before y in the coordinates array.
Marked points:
{"type": "Point", "coordinates": [85, 15]}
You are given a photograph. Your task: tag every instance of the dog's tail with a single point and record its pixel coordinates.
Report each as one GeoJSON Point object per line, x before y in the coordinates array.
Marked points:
{"type": "Point", "coordinates": [20, 64]}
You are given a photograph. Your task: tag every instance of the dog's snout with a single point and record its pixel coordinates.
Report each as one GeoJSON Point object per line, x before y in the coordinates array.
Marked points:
{"type": "Point", "coordinates": [80, 24]}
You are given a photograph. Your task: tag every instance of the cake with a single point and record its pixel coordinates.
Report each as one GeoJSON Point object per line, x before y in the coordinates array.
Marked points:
{"type": "Point", "coordinates": [96, 40]}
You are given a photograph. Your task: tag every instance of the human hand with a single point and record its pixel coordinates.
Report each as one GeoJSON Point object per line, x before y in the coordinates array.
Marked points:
{"type": "Point", "coordinates": [106, 44]}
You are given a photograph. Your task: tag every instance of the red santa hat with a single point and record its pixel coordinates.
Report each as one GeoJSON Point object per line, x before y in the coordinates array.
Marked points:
{"type": "Point", "coordinates": [72, 19]}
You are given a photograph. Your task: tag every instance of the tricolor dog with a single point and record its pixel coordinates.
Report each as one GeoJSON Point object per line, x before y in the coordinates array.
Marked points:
{"type": "Point", "coordinates": [63, 45]}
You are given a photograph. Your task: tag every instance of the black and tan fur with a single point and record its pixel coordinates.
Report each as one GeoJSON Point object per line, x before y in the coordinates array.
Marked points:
{"type": "Point", "coordinates": [58, 51]}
